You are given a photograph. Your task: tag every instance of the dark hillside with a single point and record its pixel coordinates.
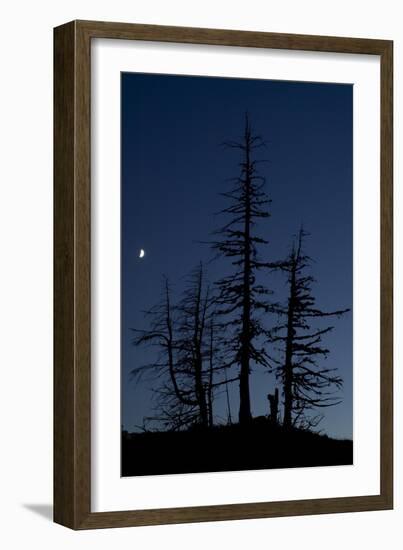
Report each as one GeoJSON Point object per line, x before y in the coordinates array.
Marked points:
{"type": "Point", "coordinates": [261, 445]}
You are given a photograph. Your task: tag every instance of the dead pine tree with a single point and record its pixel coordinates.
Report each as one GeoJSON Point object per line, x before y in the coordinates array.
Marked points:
{"type": "Point", "coordinates": [307, 385]}
{"type": "Point", "coordinates": [199, 345]}
{"type": "Point", "coordinates": [177, 406]}
{"type": "Point", "coordinates": [194, 345]}
{"type": "Point", "coordinates": [187, 368]}
{"type": "Point", "coordinates": [210, 374]}
{"type": "Point", "coordinates": [240, 297]}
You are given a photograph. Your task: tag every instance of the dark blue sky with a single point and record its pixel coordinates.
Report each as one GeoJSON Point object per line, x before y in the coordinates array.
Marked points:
{"type": "Point", "coordinates": [173, 169]}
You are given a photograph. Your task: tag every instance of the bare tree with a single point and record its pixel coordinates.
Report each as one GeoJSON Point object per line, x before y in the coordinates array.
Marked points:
{"type": "Point", "coordinates": [241, 298]}
{"type": "Point", "coordinates": [176, 402]}
{"type": "Point", "coordinates": [193, 349]}
{"type": "Point", "coordinates": [187, 364]}
{"type": "Point", "coordinates": [307, 385]}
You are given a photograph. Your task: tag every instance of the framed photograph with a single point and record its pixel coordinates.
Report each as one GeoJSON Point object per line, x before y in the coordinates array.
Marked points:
{"type": "Point", "coordinates": [223, 275]}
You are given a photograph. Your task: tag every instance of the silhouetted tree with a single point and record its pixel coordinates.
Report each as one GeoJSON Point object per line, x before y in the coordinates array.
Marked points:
{"type": "Point", "coordinates": [211, 355]}
{"type": "Point", "coordinates": [194, 350]}
{"type": "Point", "coordinates": [200, 345]}
{"type": "Point", "coordinates": [241, 298]}
{"type": "Point", "coordinates": [306, 384]}
{"type": "Point", "coordinates": [177, 405]}
{"type": "Point", "coordinates": [188, 363]}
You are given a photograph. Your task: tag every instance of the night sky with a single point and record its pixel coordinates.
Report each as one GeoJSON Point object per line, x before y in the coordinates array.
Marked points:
{"type": "Point", "coordinates": [173, 168]}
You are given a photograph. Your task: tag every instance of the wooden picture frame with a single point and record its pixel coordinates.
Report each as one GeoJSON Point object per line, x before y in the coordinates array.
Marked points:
{"type": "Point", "coordinates": [72, 319]}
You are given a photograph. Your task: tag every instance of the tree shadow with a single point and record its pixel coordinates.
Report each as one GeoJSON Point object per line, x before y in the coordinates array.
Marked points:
{"type": "Point", "coordinates": [44, 510]}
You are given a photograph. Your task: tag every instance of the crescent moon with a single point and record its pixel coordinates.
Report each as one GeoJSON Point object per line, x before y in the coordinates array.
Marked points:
{"type": "Point", "coordinates": [142, 253]}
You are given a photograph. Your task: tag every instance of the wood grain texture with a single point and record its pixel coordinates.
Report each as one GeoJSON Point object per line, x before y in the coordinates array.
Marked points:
{"type": "Point", "coordinates": [72, 277]}
{"type": "Point", "coordinates": [219, 37]}
{"type": "Point", "coordinates": [386, 282]}
{"type": "Point", "coordinates": [72, 264]}
{"type": "Point", "coordinates": [64, 383]}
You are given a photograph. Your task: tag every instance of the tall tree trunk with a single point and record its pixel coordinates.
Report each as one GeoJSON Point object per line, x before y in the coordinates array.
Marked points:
{"type": "Point", "coordinates": [210, 381]}
{"type": "Point", "coordinates": [244, 393]}
{"type": "Point", "coordinates": [198, 359]}
{"type": "Point", "coordinates": [288, 374]}
{"type": "Point", "coordinates": [241, 298]}
{"type": "Point", "coordinates": [200, 394]}
{"type": "Point", "coordinates": [169, 347]}
{"type": "Point", "coordinates": [229, 415]}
